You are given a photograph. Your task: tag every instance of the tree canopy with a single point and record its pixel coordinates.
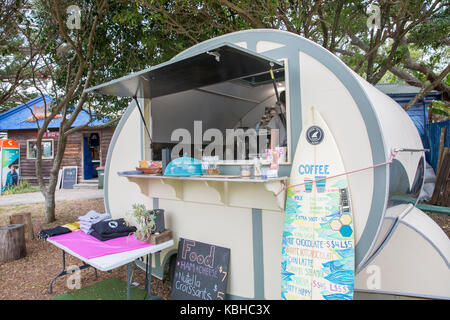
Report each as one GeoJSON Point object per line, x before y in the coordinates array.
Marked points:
{"type": "Point", "coordinates": [409, 41]}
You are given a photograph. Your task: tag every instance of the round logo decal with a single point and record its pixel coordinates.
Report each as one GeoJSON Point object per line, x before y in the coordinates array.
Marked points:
{"type": "Point", "coordinates": [314, 135]}
{"type": "Point", "coordinates": [113, 224]}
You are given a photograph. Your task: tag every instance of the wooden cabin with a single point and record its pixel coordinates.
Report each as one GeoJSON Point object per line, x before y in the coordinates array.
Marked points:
{"type": "Point", "coordinates": [85, 149]}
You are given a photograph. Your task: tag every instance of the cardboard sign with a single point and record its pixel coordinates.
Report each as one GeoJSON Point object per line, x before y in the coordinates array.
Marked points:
{"type": "Point", "coordinates": [69, 177]}
{"type": "Point", "coordinates": [201, 271]}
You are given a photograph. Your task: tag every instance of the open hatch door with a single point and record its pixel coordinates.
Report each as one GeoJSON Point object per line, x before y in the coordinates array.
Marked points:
{"type": "Point", "coordinates": [224, 63]}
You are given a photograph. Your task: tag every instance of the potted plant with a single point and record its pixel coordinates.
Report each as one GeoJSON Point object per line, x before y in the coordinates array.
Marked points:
{"type": "Point", "coordinates": [148, 221]}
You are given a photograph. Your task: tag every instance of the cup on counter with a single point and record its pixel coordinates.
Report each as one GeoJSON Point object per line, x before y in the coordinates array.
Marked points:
{"type": "Point", "coordinates": [246, 170]}
{"type": "Point", "coordinates": [264, 170]}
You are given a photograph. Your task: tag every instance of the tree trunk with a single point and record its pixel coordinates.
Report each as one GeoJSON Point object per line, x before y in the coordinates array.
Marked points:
{"type": "Point", "coordinates": [25, 219]}
{"type": "Point", "coordinates": [50, 207]}
{"type": "Point", "coordinates": [12, 242]}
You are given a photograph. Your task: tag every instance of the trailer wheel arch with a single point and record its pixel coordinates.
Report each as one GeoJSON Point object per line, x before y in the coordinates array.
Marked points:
{"type": "Point", "coordinates": [169, 260]}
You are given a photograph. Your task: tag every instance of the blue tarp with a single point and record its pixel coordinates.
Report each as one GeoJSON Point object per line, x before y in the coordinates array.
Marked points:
{"type": "Point", "coordinates": [432, 139]}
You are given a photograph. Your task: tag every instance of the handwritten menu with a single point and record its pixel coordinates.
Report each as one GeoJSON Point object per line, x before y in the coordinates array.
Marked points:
{"type": "Point", "coordinates": [201, 271]}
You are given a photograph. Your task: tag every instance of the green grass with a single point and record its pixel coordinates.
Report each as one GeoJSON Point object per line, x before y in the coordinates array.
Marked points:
{"type": "Point", "coordinates": [23, 187]}
{"type": "Point", "coordinates": [110, 289]}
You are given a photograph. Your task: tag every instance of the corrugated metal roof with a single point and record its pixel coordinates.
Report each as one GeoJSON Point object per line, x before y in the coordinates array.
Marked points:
{"type": "Point", "coordinates": [15, 118]}
{"type": "Point", "coordinates": [402, 89]}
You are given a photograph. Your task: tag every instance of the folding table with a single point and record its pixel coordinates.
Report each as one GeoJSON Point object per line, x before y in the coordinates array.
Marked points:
{"type": "Point", "coordinates": [112, 261]}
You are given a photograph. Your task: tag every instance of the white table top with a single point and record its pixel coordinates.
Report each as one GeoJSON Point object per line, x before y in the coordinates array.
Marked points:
{"type": "Point", "coordinates": [112, 261]}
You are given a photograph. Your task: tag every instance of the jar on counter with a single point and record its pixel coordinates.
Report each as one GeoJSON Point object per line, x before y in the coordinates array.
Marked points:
{"type": "Point", "coordinates": [246, 170]}
{"type": "Point", "coordinates": [257, 167]}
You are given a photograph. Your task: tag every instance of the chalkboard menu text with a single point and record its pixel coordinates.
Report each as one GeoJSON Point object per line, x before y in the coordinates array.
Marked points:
{"type": "Point", "coordinates": [201, 271]}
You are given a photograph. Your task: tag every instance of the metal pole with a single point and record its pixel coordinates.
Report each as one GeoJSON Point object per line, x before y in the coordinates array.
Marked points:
{"type": "Point", "coordinates": [274, 84]}
{"type": "Point", "coordinates": [143, 119]}
{"type": "Point", "coordinates": [128, 281]}
{"type": "Point", "coordinates": [149, 277]}
{"type": "Point", "coordinates": [63, 271]}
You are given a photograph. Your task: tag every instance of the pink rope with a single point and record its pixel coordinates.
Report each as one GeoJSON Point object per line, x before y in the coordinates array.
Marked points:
{"type": "Point", "coordinates": [393, 154]}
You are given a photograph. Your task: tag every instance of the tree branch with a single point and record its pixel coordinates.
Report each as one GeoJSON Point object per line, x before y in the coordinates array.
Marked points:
{"type": "Point", "coordinates": [427, 89]}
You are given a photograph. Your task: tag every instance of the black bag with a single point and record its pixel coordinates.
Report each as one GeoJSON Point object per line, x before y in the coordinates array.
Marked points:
{"type": "Point", "coordinates": [46, 233]}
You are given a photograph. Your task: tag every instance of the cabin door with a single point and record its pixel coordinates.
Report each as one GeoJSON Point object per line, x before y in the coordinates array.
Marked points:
{"type": "Point", "coordinates": [91, 154]}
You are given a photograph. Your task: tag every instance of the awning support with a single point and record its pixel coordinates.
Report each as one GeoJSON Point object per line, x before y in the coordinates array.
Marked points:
{"type": "Point", "coordinates": [143, 119]}
{"type": "Point", "coordinates": [280, 111]}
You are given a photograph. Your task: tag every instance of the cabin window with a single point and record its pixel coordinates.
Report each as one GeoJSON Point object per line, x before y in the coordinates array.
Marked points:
{"type": "Point", "coordinates": [47, 149]}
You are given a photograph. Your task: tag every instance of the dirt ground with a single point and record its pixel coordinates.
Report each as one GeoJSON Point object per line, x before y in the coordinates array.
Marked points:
{"type": "Point", "coordinates": [28, 278]}
{"type": "Point", "coordinates": [442, 220]}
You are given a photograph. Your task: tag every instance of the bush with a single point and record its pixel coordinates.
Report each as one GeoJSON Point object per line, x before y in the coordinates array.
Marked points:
{"type": "Point", "coordinates": [24, 186]}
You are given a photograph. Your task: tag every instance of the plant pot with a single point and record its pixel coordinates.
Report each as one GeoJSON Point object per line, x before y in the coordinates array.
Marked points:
{"type": "Point", "coordinates": [157, 238]}
{"type": "Point", "coordinates": [159, 221]}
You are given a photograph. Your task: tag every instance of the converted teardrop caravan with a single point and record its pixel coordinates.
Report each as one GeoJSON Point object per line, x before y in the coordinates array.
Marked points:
{"type": "Point", "coordinates": [225, 83]}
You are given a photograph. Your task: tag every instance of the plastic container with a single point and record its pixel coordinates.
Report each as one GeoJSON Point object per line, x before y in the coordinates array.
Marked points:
{"type": "Point", "coordinates": [257, 167]}
{"type": "Point", "coordinates": [184, 166]}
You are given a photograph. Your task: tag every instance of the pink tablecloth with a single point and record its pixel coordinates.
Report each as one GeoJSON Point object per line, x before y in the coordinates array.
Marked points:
{"type": "Point", "coordinates": [89, 247]}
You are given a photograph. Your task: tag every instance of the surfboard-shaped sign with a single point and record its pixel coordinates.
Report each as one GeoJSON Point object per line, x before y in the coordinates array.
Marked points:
{"type": "Point", "coordinates": [318, 257]}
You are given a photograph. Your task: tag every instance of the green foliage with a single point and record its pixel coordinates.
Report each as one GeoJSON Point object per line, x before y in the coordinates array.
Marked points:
{"type": "Point", "coordinates": [433, 32]}
{"type": "Point", "coordinates": [126, 40]}
{"type": "Point", "coordinates": [145, 219]}
{"type": "Point", "coordinates": [439, 108]}
{"type": "Point", "coordinates": [24, 186]}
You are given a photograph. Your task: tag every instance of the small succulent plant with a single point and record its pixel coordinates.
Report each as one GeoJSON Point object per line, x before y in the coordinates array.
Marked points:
{"type": "Point", "coordinates": [145, 219]}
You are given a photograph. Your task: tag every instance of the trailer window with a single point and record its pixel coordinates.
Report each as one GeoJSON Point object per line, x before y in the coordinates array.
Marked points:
{"type": "Point", "coordinates": [234, 120]}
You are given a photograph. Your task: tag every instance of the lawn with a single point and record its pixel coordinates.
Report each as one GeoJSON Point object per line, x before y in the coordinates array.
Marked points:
{"type": "Point", "coordinates": [23, 187]}
{"type": "Point", "coordinates": [28, 278]}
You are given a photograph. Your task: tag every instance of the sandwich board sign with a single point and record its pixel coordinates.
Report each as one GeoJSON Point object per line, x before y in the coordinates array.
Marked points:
{"type": "Point", "coordinates": [69, 177]}
{"type": "Point", "coordinates": [201, 271]}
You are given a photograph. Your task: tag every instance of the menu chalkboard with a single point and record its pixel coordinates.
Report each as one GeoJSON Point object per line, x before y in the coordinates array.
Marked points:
{"type": "Point", "coordinates": [201, 271]}
{"type": "Point", "coordinates": [69, 178]}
